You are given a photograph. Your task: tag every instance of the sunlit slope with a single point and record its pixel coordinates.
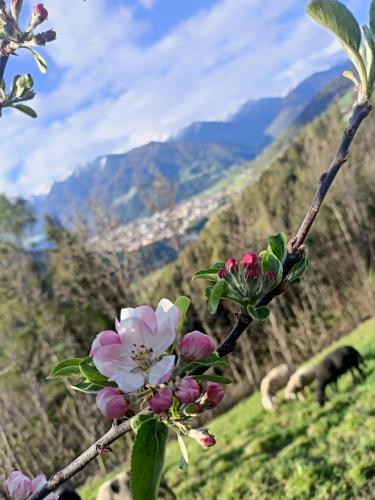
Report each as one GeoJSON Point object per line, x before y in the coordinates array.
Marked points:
{"type": "Point", "coordinates": [300, 452]}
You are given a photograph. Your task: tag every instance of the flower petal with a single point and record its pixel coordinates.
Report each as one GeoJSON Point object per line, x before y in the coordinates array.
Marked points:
{"type": "Point", "coordinates": [38, 483]}
{"type": "Point", "coordinates": [133, 330]}
{"type": "Point", "coordinates": [113, 359]}
{"type": "Point", "coordinates": [167, 315]}
{"type": "Point", "coordinates": [129, 382]}
{"type": "Point", "coordinates": [161, 372]}
{"type": "Point", "coordinates": [145, 313]}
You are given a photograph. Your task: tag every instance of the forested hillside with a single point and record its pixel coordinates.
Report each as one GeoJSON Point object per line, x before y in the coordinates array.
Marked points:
{"type": "Point", "coordinates": [51, 307]}
{"type": "Point", "coordinates": [339, 288]}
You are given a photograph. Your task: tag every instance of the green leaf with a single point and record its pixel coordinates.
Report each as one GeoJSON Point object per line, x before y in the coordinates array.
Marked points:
{"type": "Point", "coordinates": [147, 459]}
{"type": "Point", "coordinates": [66, 368]}
{"type": "Point", "coordinates": [278, 245]}
{"type": "Point", "coordinates": [370, 56]}
{"type": "Point", "coordinates": [271, 264]}
{"type": "Point", "coordinates": [338, 19]}
{"type": "Point", "coordinates": [217, 292]}
{"type": "Point", "coordinates": [40, 61]}
{"type": "Point", "coordinates": [213, 378]}
{"type": "Point", "coordinates": [258, 313]}
{"type": "Point", "coordinates": [183, 304]}
{"type": "Point", "coordinates": [299, 269]}
{"type": "Point", "coordinates": [212, 360]}
{"type": "Point", "coordinates": [372, 16]}
{"type": "Point", "coordinates": [91, 373]}
{"type": "Point", "coordinates": [138, 420]}
{"type": "Point", "coordinates": [26, 110]}
{"type": "Point", "coordinates": [210, 273]}
{"type": "Point", "coordinates": [87, 387]}
{"type": "Point", "coordinates": [184, 463]}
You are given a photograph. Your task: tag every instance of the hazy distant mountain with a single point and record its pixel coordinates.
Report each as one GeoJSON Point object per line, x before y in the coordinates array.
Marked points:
{"type": "Point", "coordinates": [258, 122]}
{"type": "Point", "coordinates": [197, 158]}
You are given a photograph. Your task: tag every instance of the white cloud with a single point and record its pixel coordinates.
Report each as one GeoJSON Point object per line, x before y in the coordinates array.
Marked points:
{"type": "Point", "coordinates": [147, 4]}
{"type": "Point", "coordinates": [113, 93]}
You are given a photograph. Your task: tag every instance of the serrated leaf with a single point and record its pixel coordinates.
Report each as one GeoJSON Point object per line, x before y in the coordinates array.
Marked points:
{"type": "Point", "coordinates": [219, 379]}
{"type": "Point", "coordinates": [26, 110]}
{"type": "Point", "coordinates": [212, 360]}
{"type": "Point", "coordinates": [66, 368]}
{"type": "Point", "coordinates": [210, 273]}
{"type": "Point", "coordinates": [147, 459]}
{"type": "Point", "coordinates": [338, 19]}
{"type": "Point", "coordinates": [259, 313]}
{"type": "Point", "coordinates": [138, 420]}
{"type": "Point", "coordinates": [217, 292]}
{"type": "Point", "coordinates": [299, 269]}
{"type": "Point", "coordinates": [184, 463]}
{"type": "Point", "coordinates": [87, 387]}
{"type": "Point", "coordinates": [183, 304]}
{"type": "Point", "coordinates": [91, 373]}
{"type": "Point", "coordinates": [278, 245]}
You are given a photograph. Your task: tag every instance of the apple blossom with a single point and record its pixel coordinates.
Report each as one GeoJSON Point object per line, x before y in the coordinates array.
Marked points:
{"type": "Point", "coordinates": [111, 402]}
{"type": "Point", "coordinates": [203, 437]}
{"type": "Point", "coordinates": [15, 8]}
{"type": "Point", "coordinates": [38, 16]}
{"type": "Point", "coordinates": [162, 400]}
{"type": "Point", "coordinates": [214, 393]}
{"type": "Point", "coordinates": [145, 335]}
{"type": "Point", "coordinates": [19, 487]}
{"type": "Point", "coordinates": [196, 345]}
{"type": "Point", "coordinates": [104, 338]}
{"type": "Point", "coordinates": [187, 390]}
{"type": "Point", "coordinates": [231, 265]}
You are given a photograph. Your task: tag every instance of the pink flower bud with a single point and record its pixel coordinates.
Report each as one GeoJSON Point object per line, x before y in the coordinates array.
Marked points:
{"type": "Point", "coordinates": [111, 402]}
{"type": "Point", "coordinates": [231, 264]}
{"type": "Point", "coordinates": [162, 400]}
{"type": "Point", "coordinates": [17, 486]}
{"type": "Point", "coordinates": [15, 8]}
{"type": "Point", "coordinates": [251, 264]}
{"type": "Point", "coordinates": [222, 273]}
{"type": "Point", "coordinates": [270, 276]}
{"type": "Point", "coordinates": [104, 338]}
{"type": "Point", "coordinates": [203, 437]}
{"type": "Point", "coordinates": [214, 393]}
{"type": "Point", "coordinates": [196, 345]}
{"type": "Point", "coordinates": [249, 259]}
{"type": "Point", "coordinates": [38, 16]}
{"type": "Point", "coordinates": [188, 390]}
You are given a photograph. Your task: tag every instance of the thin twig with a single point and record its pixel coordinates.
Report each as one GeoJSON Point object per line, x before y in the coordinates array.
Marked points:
{"type": "Point", "coordinates": [360, 112]}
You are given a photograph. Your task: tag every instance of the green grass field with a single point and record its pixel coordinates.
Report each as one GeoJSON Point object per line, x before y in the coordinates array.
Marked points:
{"type": "Point", "coordinates": [301, 452]}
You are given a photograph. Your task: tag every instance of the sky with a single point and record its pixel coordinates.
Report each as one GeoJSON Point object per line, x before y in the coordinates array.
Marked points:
{"type": "Point", "coordinates": [126, 72]}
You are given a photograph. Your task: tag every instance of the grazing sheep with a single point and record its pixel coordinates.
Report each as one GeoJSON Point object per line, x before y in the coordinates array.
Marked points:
{"type": "Point", "coordinates": [118, 488]}
{"type": "Point", "coordinates": [69, 494]}
{"type": "Point", "coordinates": [275, 380]}
{"type": "Point", "coordinates": [334, 365]}
{"type": "Point", "coordinates": [302, 378]}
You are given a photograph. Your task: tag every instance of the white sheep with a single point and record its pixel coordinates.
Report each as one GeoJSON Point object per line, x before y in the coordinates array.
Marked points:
{"type": "Point", "coordinates": [116, 488]}
{"type": "Point", "coordinates": [275, 380]}
{"type": "Point", "coordinates": [303, 377]}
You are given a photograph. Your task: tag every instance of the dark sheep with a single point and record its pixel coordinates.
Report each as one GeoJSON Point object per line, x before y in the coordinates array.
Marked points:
{"type": "Point", "coordinates": [68, 494]}
{"type": "Point", "coordinates": [334, 365]}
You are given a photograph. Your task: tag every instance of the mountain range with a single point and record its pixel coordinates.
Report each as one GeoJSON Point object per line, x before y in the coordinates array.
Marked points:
{"type": "Point", "coordinates": [192, 161]}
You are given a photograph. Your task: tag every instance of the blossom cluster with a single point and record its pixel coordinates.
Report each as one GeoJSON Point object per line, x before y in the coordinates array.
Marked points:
{"type": "Point", "coordinates": [19, 487]}
{"type": "Point", "coordinates": [140, 358]}
{"type": "Point", "coordinates": [247, 278]}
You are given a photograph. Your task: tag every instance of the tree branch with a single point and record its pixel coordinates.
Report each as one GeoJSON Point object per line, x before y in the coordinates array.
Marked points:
{"type": "Point", "coordinates": [295, 249]}
{"type": "Point", "coordinates": [3, 64]}
{"type": "Point", "coordinates": [101, 446]}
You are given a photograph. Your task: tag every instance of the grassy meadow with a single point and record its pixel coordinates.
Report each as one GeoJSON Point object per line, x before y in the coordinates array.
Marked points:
{"type": "Point", "coordinates": [300, 452]}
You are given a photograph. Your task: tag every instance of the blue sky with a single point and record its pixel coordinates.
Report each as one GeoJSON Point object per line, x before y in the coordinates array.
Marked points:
{"type": "Point", "coordinates": [124, 72]}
